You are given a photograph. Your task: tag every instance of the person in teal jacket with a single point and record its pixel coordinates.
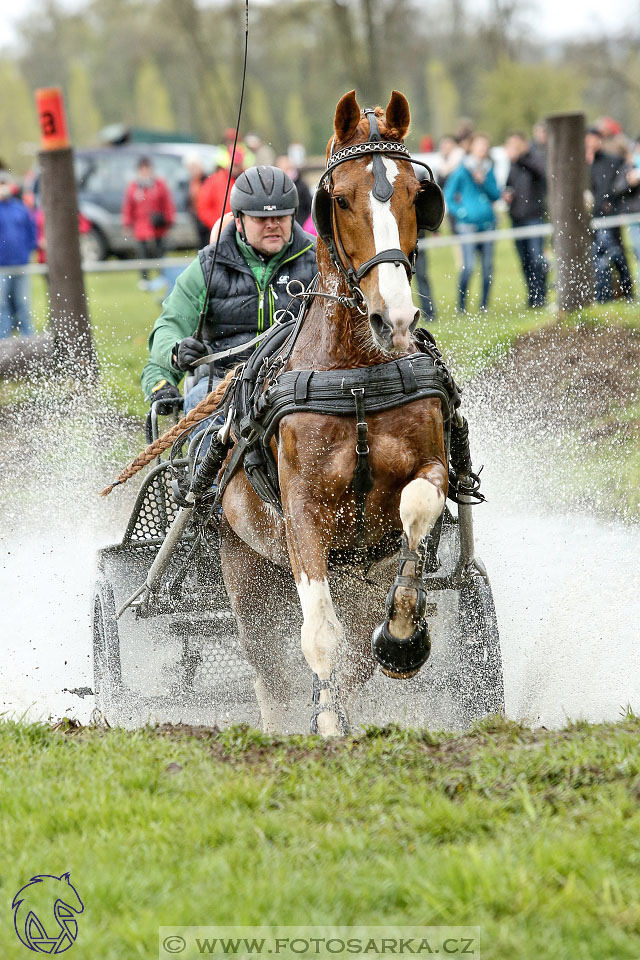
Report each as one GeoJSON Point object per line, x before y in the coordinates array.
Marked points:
{"type": "Point", "coordinates": [470, 192]}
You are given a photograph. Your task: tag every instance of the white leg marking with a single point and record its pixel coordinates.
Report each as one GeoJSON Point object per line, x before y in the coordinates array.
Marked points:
{"type": "Point", "coordinates": [393, 283]}
{"type": "Point", "coordinates": [321, 636]}
{"type": "Point", "coordinates": [272, 711]}
{"type": "Point", "coordinates": [421, 504]}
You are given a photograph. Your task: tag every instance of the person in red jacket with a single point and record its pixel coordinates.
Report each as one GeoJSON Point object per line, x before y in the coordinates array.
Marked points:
{"type": "Point", "coordinates": [148, 211]}
{"type": "Point", "coordinates": [211, 195]}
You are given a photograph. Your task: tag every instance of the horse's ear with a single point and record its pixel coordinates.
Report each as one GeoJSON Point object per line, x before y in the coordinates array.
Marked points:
{"type": "Point", "coordinates": [398, 114]}
{"type": "Point", "coordinates": [347, 117]}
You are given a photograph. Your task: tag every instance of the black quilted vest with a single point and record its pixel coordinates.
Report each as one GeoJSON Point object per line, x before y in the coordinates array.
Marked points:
{"type": "Point", "coordinates": [234, 303]}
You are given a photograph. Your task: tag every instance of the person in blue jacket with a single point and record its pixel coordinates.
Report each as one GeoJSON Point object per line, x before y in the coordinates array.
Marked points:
{"type": "Point", "coordinates": [470, 192]}
{"type": "Point", "coordinates": [17, 243]}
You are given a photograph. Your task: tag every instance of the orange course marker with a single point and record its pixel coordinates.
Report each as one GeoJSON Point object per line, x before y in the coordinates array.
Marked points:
{"type": "Point", "coordinates": [53, 122]}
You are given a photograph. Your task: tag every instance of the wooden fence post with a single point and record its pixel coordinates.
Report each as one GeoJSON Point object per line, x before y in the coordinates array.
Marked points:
{"type": "Point", "coordinates": [68, 345]}
{"type": "Point", "coordinates": [69, 319]}
{"type": "Point", "coordinates": [572, 240]}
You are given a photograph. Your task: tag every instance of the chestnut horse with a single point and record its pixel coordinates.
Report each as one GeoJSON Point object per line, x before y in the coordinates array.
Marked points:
{"type": "Point", "coordinates": [370, 203]}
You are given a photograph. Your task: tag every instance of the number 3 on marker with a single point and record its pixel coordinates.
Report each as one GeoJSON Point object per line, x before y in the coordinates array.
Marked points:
{"type": "Point", "coordinates": [48, 124]}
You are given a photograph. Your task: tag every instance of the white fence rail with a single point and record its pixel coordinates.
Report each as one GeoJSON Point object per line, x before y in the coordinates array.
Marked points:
{"type": "Point", "coordinates": [427, 243]}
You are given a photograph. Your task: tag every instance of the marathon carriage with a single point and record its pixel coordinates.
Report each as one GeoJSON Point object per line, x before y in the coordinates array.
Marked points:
{"type": "Point", "coordinates": [165, 644]}
{"type": "Point", "coordinates": [342, 438]}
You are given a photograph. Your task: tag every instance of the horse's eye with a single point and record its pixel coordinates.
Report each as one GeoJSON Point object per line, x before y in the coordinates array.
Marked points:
{"type": "Point", "coordinates": [343, 203]}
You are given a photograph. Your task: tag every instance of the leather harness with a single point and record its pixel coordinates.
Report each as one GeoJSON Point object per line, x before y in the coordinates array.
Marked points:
{"type": "Point", "coordinates": [264, 394]}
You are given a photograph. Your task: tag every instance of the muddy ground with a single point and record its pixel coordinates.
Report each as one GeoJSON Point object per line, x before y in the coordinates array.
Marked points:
{"type": "Point", "coordinates": [581, 378]}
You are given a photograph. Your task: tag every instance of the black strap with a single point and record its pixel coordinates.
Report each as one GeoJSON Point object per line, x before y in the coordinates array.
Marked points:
{"type": "Point", "coordinates": [409, 382]}
{"type": "Point", "coordinates": [362, 482]}
{"type": "Point", "coordinates": [301, 389]}
{"type": "Point", "coordinates": [393, 255]}
{"type": "Point", "coordinates": [382, 186]}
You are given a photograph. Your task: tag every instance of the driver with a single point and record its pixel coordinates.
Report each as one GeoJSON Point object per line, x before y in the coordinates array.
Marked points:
{"type": "Point", "coordinates": [260, 252]}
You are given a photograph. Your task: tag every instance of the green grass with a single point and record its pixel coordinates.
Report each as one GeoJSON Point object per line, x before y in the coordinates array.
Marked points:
{"type": "Point", "coordinates": [533, 836]}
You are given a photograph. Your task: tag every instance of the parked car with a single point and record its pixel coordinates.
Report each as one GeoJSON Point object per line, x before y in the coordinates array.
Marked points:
{"type": "Point", "coordinates": [102, 175]}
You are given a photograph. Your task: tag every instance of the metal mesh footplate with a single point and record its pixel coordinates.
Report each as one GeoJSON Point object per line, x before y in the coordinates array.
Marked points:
{"type": "Point", "coordinates": [154, 509]}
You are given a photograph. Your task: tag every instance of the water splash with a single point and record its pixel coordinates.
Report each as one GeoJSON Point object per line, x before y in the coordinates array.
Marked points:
{"type": "Point", "coordinates": [566, 585]}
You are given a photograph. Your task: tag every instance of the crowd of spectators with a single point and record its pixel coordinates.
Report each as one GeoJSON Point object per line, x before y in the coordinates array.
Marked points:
{"type": "Point", "coordinates": [480, 182]}
{"type": "Point", "coordinates": [465, 167]}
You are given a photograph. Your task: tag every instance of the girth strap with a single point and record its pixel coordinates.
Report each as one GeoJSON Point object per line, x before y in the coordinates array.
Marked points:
{"type": "Point", "coordinates": [362, 482]}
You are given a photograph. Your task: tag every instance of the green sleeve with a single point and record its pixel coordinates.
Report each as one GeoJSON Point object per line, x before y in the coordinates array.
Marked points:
{"type": "Point", "coordinates": [179, 319]}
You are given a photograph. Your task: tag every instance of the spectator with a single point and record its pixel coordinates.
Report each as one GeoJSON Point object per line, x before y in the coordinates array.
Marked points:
{"type": "Point", "coordinates": [148, 211]}
{"type": "Point", "coordinates": [470, 192]}
{"type": "Point", "coordinates": [450, 156]}
{"type": "Point", "coordinates": [525, 194]}
{"type": "Point", "coordinates": [264, 154]}
{"type": "Point", "coordinates": [608, 251]}
{"type": "Point", "coordinates": [17, 243]}
{"type": "Point", "coordinates": [539, 142]}
{"type": "Point", "coordinates": [426, 304]}
{"type": "Point", "coordinates": [297, 153]}
{"type": "Point", "coordinates": [211, 197]}
{"type": "Point", "coordinates": [197, 177]}
{"type": "Point", "coordinates": [613, 139]}
{"type": "Point", "coordinates": [224, 158]}
{"type": "Point", "coordinates": [304, 194]}
{"type": "Point", "coordinates": [627, 188]}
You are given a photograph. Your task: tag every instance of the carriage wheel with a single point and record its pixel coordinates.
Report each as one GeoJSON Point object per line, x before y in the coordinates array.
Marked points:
{"type": "Point", "coordinates": [480, 681]}
{"type": "Point", "coordinates": [107, 671]}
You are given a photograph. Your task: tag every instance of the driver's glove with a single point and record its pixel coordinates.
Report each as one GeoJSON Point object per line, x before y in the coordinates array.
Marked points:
{"type": "Point", "coordinates": [165, 391]}
{"type": "Point", "coordinates": [188, 350]}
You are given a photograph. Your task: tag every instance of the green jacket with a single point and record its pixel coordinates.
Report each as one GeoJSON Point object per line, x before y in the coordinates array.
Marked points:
{"type": "Point", "coordinates": [243, 298]}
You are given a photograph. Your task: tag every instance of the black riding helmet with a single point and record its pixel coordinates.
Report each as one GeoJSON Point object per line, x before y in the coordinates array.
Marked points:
{"type": "Point", "coordinates": [264, 192]}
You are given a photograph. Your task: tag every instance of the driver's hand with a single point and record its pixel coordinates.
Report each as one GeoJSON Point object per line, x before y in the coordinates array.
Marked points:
{"type": "Point", "coordinates": [189, 350]}
{"type": "Point", "coordinates": [165, 391]}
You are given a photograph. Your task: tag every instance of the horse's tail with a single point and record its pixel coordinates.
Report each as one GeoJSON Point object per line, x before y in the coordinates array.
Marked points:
{"type": "Point", "coordinates": [204, 409]}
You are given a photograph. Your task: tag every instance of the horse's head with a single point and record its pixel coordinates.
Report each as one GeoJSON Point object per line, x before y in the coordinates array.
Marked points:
{"type": "Point", "coordinates": [371, 207]}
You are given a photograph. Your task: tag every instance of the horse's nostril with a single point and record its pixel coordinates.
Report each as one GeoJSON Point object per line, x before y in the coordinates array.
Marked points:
{"type": "Point", "coordinates": [414, 322]}
{"type": "Point", "coordinates": [380, 325]}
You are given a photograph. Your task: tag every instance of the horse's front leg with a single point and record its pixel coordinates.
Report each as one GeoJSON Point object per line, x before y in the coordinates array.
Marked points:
{"type": "Point", "coordinates": [401, 643]}
{"type": "Point", "coordinates": [309, 530]}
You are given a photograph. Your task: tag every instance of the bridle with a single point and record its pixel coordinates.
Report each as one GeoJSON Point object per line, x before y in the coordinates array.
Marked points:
{"type": "Point", "coordinates": [429, 214]}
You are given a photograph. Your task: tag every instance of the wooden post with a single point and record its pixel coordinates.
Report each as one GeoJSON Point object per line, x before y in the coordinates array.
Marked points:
{"type": "Point", "coordinates": [68, 345]}
{"type": "Point", "coordinates": [69, 319]}
{"type": "Point", "coordinates": [567, 180]}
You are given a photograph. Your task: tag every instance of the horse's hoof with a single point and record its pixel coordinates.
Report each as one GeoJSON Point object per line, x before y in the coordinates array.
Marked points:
{"type": "Point", "coordinates": [401, 659]}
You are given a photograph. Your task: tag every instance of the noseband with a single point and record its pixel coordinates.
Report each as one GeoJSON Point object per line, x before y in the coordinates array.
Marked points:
{"type": "Point", "coordinates": [325, 214]}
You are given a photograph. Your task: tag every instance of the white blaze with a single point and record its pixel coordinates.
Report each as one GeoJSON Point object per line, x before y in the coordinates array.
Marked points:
{"type": "Point", "coordinates": [393, 284]}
